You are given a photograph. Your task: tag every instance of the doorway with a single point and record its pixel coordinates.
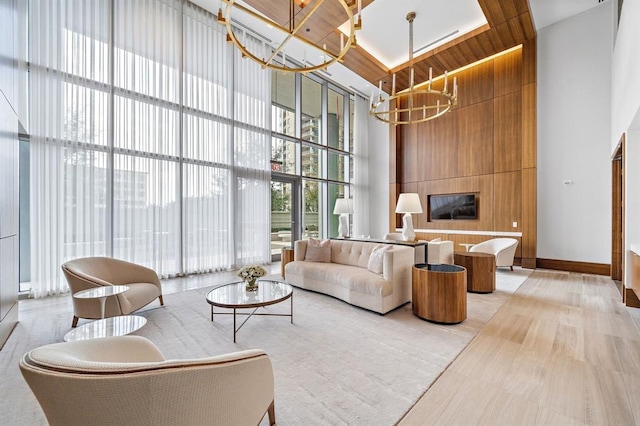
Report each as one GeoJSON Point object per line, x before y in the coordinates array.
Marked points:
{"type": "Point", "coordinates": [285, 193]}
{"type": "Point", "coordinates": [617, 215]}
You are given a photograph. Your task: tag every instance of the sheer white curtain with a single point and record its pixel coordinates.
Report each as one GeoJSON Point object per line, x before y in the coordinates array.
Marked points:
{"type": "Point", "coordinates": [227, 149]}
{"type": "Point", "coordinates": [146, 133]}
{"type": "Point", "coordinates": [149, 141]}
{"type": "Point", "coordinates": [361, 214]}
{"type": "Point", "coordinates": [69, 62]}
{"type": "Point", "coordinates": [252, 157]}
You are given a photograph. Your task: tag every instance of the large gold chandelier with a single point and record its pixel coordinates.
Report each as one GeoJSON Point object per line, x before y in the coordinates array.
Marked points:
{"type": "Point", "coordinates": [292, 32]}
{"type": "Point", "coordinates": [416, 104]}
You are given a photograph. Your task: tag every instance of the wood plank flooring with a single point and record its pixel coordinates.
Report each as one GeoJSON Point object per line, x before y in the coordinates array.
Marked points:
{"type": "Point", "coordinates": [562, 350]}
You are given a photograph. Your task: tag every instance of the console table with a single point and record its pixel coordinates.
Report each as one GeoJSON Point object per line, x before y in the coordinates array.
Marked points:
{"type": "Point", "coordinates": [440, 293]}
{"type": "Point", "coordinates": [419, 247]}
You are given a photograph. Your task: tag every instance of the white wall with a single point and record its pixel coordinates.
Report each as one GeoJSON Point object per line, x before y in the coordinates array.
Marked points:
{"type": "Point", "coordinates": [378, 177]}
{"type": "Point", "coordinates": [574, 128]}
{"type": "Point", "coordinates": [626, 72]}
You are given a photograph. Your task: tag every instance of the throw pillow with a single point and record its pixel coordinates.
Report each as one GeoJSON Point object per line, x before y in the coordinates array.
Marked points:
{"type": "Point", "coordinates": [318, 251]}
{"type": "Point", "coordinates": [435, 240]}
{"type": "Point", "coordinates": [376, 258]}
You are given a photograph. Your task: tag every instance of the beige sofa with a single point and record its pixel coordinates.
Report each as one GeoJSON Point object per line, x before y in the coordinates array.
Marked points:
{"type": "Point", "coordinates": [348, 277]}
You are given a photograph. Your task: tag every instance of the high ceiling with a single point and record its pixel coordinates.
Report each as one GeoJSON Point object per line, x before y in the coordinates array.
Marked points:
{"type": "Point", "coordinates": [508, 23]}
{"type": "Point", "coordinates": [456, 32]}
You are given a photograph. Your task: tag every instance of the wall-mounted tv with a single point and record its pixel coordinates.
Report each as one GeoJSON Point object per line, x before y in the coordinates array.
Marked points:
{"type": "Point", "coordinates": [452, 207]}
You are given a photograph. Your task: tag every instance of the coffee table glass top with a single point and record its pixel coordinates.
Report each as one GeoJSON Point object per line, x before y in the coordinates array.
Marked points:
{"type": "Point", "coordinates": [108, 327]}
{"type": "Point", "coordinates": [235, 295]}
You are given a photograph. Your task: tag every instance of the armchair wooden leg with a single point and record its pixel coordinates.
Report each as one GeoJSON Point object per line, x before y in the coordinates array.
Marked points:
{"type": "Point", "coordinates": [272, 414]}
{"type": "Point", "coordinates": [161, 300]}
{"type": "Point", "coordinates": [74, 323]}
{"type": "Point", "coordinates": [512, 267]}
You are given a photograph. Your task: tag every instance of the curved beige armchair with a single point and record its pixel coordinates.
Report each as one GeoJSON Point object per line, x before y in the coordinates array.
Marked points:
{"type": "Point", "coordinates": [393, 236]}
{"type": "Point", "coordinates": [504, 249]}
{"type": "Point", "coordinates": [89, 272]}
{"type": "Point", "coordinates": [126, 381]}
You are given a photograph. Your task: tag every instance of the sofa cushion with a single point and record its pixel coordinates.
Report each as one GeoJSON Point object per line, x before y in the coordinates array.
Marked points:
{"type": "Point", "coordinates": [377, 257]}
{"type": "Point", "coordinates": [353, 253]}
{"type": "Point", "coordinates": [318, 251]}
{"type": "Point", "coordinates": [354, 278]}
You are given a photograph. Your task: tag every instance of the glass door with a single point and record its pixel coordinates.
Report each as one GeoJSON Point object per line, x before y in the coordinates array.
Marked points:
{"type": "Point", "coordinates": [284, 212]}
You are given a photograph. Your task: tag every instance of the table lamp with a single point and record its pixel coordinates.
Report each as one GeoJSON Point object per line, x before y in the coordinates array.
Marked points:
{"type": "Point", "coordinates": [343, 208]}
{"type": "Point", "coordinates": [408, 203]}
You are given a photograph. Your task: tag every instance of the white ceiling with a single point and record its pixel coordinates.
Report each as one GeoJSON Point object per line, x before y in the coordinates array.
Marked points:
{"type": "Point", "coordinates": [547, 12]}
{"type": "Point", "coordinates": [385, 30]}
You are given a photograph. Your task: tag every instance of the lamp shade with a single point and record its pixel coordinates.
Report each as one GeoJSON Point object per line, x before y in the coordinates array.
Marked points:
{"type": "Point", "coordinates": [409, 203]}
{"type": "Point", "coordinates": [343, 206]}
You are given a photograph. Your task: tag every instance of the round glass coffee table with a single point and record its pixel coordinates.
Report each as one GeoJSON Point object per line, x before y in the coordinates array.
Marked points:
{"type": "Point", "coordinates": [235, 296]}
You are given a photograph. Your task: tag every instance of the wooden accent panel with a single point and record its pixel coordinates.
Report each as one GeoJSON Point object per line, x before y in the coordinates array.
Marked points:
{"type": "Point", "coordinates": [439, 296]}
{"type": "Point", "coordinates": [507, 73]}
{"type": "Point", "coordinates": [507, 141]}
{"type": "Point", "coordinates": [409, 146]}
{"type": "Point", "coordinates": [573, 266]}
{"type": "Point", "coordinates": [475, 84]}
{"type": "Point", "coordinates": [529, 126]}
{"type": "Point", "coordinates": [437, 147]}
{"type": "Point", "coordinates": [394, 192]}
{"type": "Point", "coordinates": [507, 201]}
{"type": "Point", "coordinates": [529, 61]}
{"type": "Point", "coordinates": [395, 154]}
{"type": "Point", "coordinates": [475, 153]}
{"type": "Point", "coordinates": [529, 221]}
{"type": "Point", "coordinates": [481, 147]}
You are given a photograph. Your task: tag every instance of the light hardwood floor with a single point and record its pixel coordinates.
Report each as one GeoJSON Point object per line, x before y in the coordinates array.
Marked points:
{"type": "Point", "coordinates": [562, 350]}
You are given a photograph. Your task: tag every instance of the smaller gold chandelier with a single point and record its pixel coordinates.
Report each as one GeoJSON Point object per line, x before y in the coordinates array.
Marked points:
{"type": "Point", "coordinates": [416, 104]}
{"type": "Point", "coordinates": [294, 30]}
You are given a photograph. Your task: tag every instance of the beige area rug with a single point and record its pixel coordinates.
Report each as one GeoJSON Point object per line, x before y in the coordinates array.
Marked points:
{"type": "Point", "coordinates": [337, 364]}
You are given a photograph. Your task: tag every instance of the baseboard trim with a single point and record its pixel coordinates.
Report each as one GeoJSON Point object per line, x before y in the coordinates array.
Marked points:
{"type": "Point", "coordinates": [631, 299]}
{"type": "Point", "coordinates": [573, 266]}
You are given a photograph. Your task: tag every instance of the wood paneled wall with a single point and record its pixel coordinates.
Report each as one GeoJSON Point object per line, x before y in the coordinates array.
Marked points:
{"type": "Point", "coordinates": [486, 145]}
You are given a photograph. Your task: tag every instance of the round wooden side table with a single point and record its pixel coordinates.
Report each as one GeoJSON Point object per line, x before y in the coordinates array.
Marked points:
{"type": "Point", "coordinates": [481, 270]}
{"type": "Point", "coordinates": [440, 293]}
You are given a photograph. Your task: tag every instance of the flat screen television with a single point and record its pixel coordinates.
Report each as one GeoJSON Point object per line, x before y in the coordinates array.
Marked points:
{"type": "Point", "coordinates": [452, 207]}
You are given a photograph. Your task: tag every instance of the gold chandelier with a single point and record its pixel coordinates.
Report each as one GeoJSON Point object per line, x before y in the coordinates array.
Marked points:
{"type": "Point", "coordinates": [416, 104]}
{"type": "Point", "coordinates": [268, 60]}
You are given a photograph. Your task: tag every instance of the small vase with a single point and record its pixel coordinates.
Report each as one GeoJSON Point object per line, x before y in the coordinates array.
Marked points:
{"type": "Point", "coordinates": [252, 285]}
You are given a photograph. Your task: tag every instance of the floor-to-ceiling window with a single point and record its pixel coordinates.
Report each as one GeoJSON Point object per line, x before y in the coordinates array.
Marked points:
{"type": "Point", "coordinates": [150, 139]}
{"type": "Point", "coordinates": [313, 140]}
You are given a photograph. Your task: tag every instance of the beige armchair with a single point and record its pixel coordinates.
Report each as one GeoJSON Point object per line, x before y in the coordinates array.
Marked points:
{"type": "Point", "coordinates": [504, 249]}
{"type": "Point", "coordinates": [126, 381]}
{"type": "Point", "coordinates": [393, 236]}
{"type": "Point", "coordinates": [440, 252]}
{"type": "Point", "coordinates": [89, 272]}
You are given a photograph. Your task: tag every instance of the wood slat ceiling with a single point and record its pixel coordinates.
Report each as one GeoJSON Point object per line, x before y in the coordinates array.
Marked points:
{"type": "Point", "coordinates": [509, 24]}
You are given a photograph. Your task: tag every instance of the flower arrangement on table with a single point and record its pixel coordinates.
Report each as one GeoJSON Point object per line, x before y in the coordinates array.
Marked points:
{"type": "Point", "coordinates": [250, 274]}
